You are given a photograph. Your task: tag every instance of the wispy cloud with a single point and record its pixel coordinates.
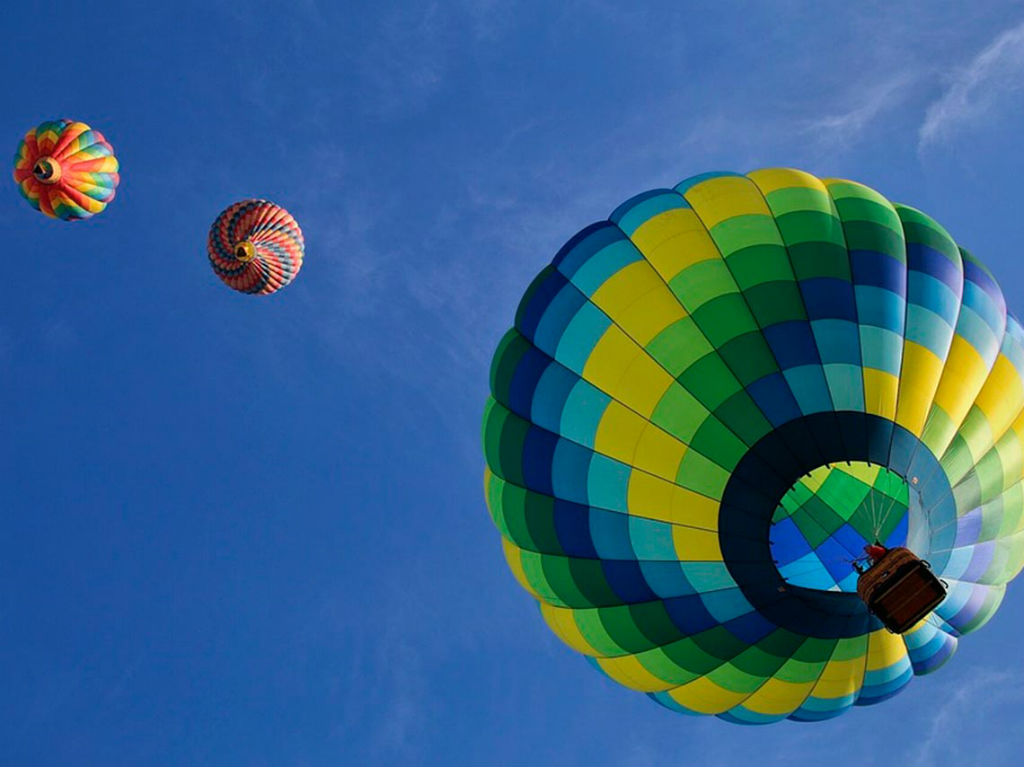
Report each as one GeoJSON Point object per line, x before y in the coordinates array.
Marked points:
{"type": "Point", "coordinates": [977, 698]}
{"type": "Point", "coordinates": [841, 129]}
{"type": "Point", "coordinates": [977, 90]}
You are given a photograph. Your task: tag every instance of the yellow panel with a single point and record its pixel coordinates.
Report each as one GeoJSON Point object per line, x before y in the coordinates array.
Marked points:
{"type": "Point", "coordinates": [919, 377]}
{"type": "Point", "coordinates": [725, 197]}
{"type": "Point", "coordinates": [609, 357]}
{"type": "Point", "coordinates": [696, 545]}
{"type": "Point", "coordinates": [563, 624]}
{"type": "Point", "coordinates": [643, 384]}
{"type": "Point", "coordinates": [658, 453]}
{"type": "Point", "coordinates": [866, 473]}
{"type": "Point", "coordinates": [884, 650]}
{"type": "Point", "coordinates": [839, 678]}
{"type": "Point", "coordinates": [962, 378]}
{"type": "Point", "coordinates": [628, 671]}
{"type": "Point", "coordinates": [1001, 397]}
{"type": "Point", "coordinates": [653, 498]}
{"type": "Point", "coordinates": [815, 480]}
{"type": "Point", "coordinates": [777, 696]}
{"type": "Point", "coordinates": [626, 287]}
{"type": "Point", "coordinates": [770, 180]}
{"type": "Point", "coordinates": [623, 370]}
{"type": "Point", "coordinates": [515, 564]}
{"type": "Point", "coordinates": [880, 392]}
{"type": "Point", "coordinates": [705, 696]}
{"type": "Point", "coordinates": [618, 432]}
{"type": "Point", "coordinates": [694, 509]}
{"type": "Point", "coordinates": [673, 241]}
{"type": "Point", "coordinates": [654, 312]}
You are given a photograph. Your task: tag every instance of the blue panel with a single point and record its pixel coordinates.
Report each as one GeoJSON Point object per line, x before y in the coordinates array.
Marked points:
{"type": "Point", "coordinates": [751, 627]}
{"type": "Point", "coordinates": [627, 581]}
{"type": "Point", "coordinates": [542, 290]}
{"type": "Point", "coordinates": [605, 263]}
{"type": "Point", "coordinates": [787, 542]}
{"type": "Point", "coordinates": [810, 388]}
{"type": "Point", "coordinates": [792, 343]}
{"type": "Point", "coordinates": [570, 470]}
{"type": "Point", "coordinates": [727, 604]}
{"type": "Point", "coordinates": [927, 291]}
{"type": "Point", "coordinates": [572, 526]}
{"type": "Point", "coordinates": [576, 251]}
{"type": "Point", "coordinates": [881, 349]}
{"type": "Point", "coordinates": [579, 338]}
{"type": "Point", "coordinates": [651, 539]}
{"type": "Point", "coordinates": [881, 307]}
{"type": "Point", "coordinates": [773, 397]}
{"type": "Point", "coordinates": [921, 258]}
{"type": "Point", "coordinates": [828, 297]}
{"type": "Point", "coordinates": [550, 395]}
{"type": "Point", "coordinates": [524, 380]}
{"type": "Point", "coordinates": [837, 340]}
{"type": "Point", "coordinates": [640, 209]}
{"type": "Point", "coordinates": [689, 615]}
{"type": "Point", "coordinates": [879, 270]}
{"type": "Point", "coordinates": [538, 451]}
{"type": "Point", "coordinates": [608, 483]}
{"type": "Point", "coordinates": [666, 579]}
{"type": "Point", "coordinates": [610, 533]}
{"type": "Point", "coordinates": [582, 414]}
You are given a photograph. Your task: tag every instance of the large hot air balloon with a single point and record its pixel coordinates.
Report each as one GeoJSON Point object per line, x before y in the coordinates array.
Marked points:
{"type": "Point", "coordinates": [712, 402]}
{"type": "Point", "coordinates": [255, 246]}
{"type": "Point", "coordinates": [66, 169]}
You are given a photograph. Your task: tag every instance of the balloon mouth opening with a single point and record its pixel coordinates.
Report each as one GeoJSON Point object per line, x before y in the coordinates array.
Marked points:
{"type": "Point", "coordinates": [826, 518]}
{"type": "Point", "coordinates": [47, 170]}
{"type": "Point", "coordinates": [245, 252]}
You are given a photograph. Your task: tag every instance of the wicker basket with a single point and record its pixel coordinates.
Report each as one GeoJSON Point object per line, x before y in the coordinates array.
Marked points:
{"type": "Point", "coordinates": [900, 589]}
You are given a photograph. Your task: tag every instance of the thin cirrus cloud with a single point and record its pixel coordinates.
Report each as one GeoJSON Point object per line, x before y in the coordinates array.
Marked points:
{"type": "Point", "coordinates": [977, 90]}
{"type": "Point", "coordinates": [845, 128]}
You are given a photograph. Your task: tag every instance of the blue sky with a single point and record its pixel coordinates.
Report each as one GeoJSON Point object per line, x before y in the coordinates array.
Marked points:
{"type": "Point", "coordinates": [252, 531]}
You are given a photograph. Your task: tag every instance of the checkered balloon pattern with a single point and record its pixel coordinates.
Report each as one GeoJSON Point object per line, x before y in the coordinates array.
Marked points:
{"type": "Point", "coordinates": [712, 401]}
{"type": "Point", "coordinates": [66, 169]}
{"type": "Point", "coordinates": [256, 247]}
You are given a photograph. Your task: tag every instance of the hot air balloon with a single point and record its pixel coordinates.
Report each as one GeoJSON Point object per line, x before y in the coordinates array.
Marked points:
{"type": "Point", "coordinates": [709, 405]}
{"type": "Point", "coordinates": [66, 169]}
{"type": "Point", "coordinates": [255, 246]}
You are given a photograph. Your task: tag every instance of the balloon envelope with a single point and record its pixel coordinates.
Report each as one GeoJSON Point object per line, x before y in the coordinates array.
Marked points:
{"type": "Point", "coordinates": [711, 402]}
{"type": "Point", "coordinates": [66, 169]}
{"type": "Point", "coordinates": [255, 246]}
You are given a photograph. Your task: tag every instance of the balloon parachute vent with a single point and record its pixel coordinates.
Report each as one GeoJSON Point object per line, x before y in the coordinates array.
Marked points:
{"type": "Point", "coordinates": [47, 171]}
{"type": "Point", "coordinates": [245, 252]}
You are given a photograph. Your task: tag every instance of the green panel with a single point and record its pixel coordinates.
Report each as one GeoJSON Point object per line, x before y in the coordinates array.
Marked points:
{"type": "Point", "coordinates": [679, 413]}
{"type": "Point", "coordinates": [739, 232]}
{"type": "Point", "coordinates": [749, 357]}
{"type": "Point", "coordinates": [742, 415]}
{"type": "Point", "coordinates": [775, 302]}
{"type": "Point", "coordinates": [729, 677]}
{"type": "Point", "coordinates": [719, 444]}
{"type": "Point", "coordinates": [818, 259]}
{"type": "Point", "coordinates": [702, 282]}
{"type": "Point", "coordinates": [724, 318]}
{"type": "Point", "coordinates": [710, 381]}
{"type": "Point", "coordinates": [680, 344]}
{"type": "Point", "coordinates": [658, 662]}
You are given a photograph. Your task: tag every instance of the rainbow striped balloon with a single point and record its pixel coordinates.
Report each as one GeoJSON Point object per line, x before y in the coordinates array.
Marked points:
{"type": "Point", "coordinates": [256, 246]}
{"type": "Point", "coordinates": [66, 169]}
